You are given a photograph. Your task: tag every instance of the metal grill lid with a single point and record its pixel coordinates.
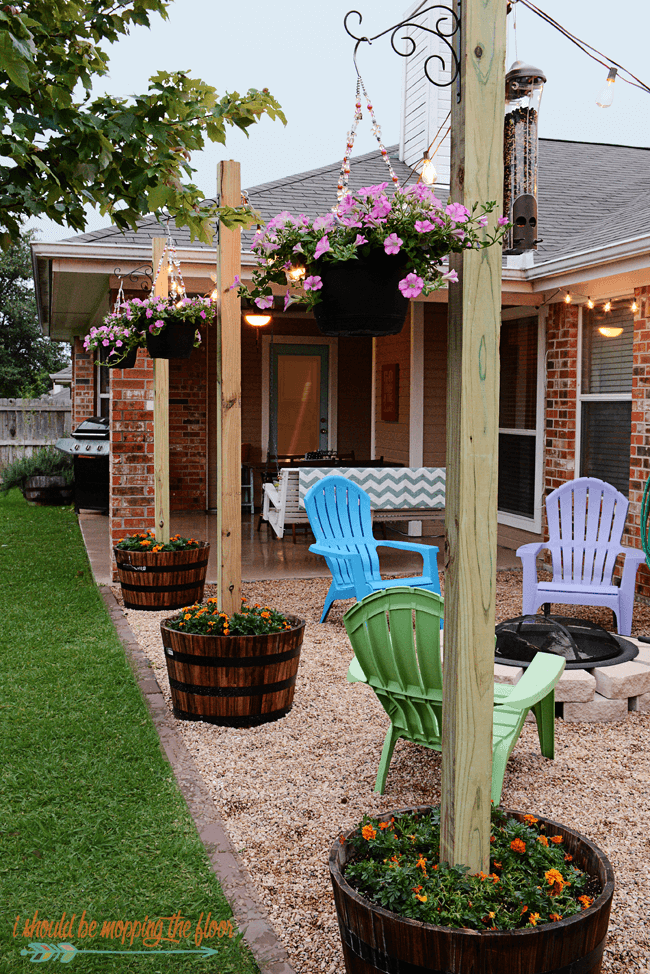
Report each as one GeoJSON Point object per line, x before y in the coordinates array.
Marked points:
{"type": "Point", "coordinates": [93, 428]}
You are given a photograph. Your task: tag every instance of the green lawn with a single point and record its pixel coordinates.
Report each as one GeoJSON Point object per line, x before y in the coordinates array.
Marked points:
{"type": "Point", "coordinates": [91, 818]}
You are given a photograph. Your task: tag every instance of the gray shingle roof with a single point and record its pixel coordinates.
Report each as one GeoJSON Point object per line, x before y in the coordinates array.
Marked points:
{"type": "Point", "coordinates": [589, 194]}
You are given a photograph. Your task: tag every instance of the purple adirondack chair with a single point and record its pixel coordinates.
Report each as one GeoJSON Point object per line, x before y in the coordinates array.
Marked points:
{"type": "Point", "coordinates": [585, 518]}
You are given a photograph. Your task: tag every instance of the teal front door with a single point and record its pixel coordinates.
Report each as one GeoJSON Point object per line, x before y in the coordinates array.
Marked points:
{"type": "Point", "coordinates": [299, 399]}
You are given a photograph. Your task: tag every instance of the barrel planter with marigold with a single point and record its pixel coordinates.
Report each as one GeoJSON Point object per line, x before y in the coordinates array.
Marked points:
{"type": "Point", "coordinates": [236, 672]}
{"type": "Point", "coordinates": [376, 939]}
{"type": "Point", "coordinates": [156, 576]}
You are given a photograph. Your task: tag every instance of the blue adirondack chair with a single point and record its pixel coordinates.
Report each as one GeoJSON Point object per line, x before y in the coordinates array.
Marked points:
{"type": "Point", "coordinates": [585, 518]}
{"type": "Point", "coordinates": [395, 636]}
{"type": "Point", "coordinates": [339, 515]}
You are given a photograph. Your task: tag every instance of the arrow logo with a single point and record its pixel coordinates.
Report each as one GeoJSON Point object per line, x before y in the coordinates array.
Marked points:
{"type": "Point", "coordinates": [41, 953]}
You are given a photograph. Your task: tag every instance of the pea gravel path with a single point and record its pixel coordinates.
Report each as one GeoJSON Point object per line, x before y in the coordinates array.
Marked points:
{"type": "Point", "coordinates": [286, 790]}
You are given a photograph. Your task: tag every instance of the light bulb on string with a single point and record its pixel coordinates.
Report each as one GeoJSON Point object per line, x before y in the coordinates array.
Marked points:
{"type": "Point", "coordinates": [606, 96]}
{"type": "Point", "coordinates": [634, 307]}
{"type": "Point", "coordinates": [298, 270]}
{"type": "Point", "coordinates": [567, 298]}
{"type": "Point", "coordinates": [429, 172]}
{"type": "Point", "coordinates": [607, 307]}
{"type": "Point", "coordinates": [590, 304]}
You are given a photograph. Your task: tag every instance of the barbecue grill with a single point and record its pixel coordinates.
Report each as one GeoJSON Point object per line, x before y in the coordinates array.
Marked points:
{"type": "Point", "coordinates": [90, 447]}
{"type": "Point", "coordinates": [584, 644]}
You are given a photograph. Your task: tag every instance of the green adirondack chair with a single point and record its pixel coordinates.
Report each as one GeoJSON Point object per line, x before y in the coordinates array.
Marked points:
{"type": "Point", "coordinates": [395, 634]}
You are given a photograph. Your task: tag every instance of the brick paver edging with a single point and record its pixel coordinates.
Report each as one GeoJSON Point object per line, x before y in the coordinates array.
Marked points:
{"type": "Point", "coordinates": [230, 871]}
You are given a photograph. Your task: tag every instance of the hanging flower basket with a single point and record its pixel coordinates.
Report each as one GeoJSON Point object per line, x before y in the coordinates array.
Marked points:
{"type": "Point", "coordinates": [113, 360]}
{"type": "Point", "coordinates": [362, 297]}
{"type": "Point", "coordinates": [175, 340]}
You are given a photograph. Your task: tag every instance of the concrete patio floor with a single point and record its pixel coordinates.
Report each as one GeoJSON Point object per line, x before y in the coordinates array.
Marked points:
{"type": "Point", "coordinates": [264, 556]}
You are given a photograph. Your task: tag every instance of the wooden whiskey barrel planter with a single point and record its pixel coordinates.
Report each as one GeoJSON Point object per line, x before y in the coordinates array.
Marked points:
{"type": "Point", "coordinates": [47, 490]}
{"type": "Point", "coordinates": [374, 939]}
{"type": "Point", "coordinates": [234, 681]}
{"type": "Point", "coordinates": [152, 581]}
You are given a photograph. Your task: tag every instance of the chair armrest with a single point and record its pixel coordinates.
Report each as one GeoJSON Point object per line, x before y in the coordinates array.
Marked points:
{"type": "Point", "coordinates": [634, 555]}
{"type": "Point", "coordinates": [428, 553]}
{"type": "Point", "coordinates": [272, 493]}
{"type": "Point", "coordinates": [353, 562]}
{"type": "Point", "coordinates": [538, 681]}
{"type": "Point", "coordinates": [355, 673]}
{"type": "Point", "coordinates": [530, 551]}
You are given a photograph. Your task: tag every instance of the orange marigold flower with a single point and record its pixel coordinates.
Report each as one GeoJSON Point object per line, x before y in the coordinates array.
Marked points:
{"type": "Point", "coordinates": [557, 839]}
{"type": "Point", "coordinates": [543, 840]}
{"type": "Point", "coordinates": [554, 917]}
{"type": "Point", "coordinates": [482, 875]}
{"type": "Point", "coordinates": [568, 858]}
{"type": "Point", "coordinates": [523, 909]}
{"type": "Point", "coordinates": [517, 845]}
{"type": "Point", "coordinates": [494, 877]}
{"type": "Point", "coordinates": [187, 615]}
{"type": "Point", "coordinates": [422, 863]}
{"type": "Point", "coordinates": [421, 897]}
{"type": "Point", "coordinates": [530, 819]}
{"type": "Point", "coordinates": [497, 865]}
{"type": "Point", "coordinates": [554, 876]}
{"type": "Point", "coordinates": [145, 543]}
{"type": "Point", "coordinates": [586, 901]}
{"type": "Point", "coordinates": [265, 615]}
{"type": "Point", "coordinates": [342, 839]}
{"type": "Point", "coordinates": [493, 838]}
{"type": "Point", "coordinates": [368, 832]}
{"type": "Point", "coordinates": [384, 825]}
{"type": "Point", "coordinates": [533, 918]}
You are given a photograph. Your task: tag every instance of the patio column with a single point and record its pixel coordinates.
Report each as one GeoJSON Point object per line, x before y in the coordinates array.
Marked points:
{"type": "Point", "coordinates": [472, 441]}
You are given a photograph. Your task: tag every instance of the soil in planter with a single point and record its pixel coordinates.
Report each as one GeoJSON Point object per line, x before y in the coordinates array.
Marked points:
{"type": "Point", "coordinates": [233, 681]}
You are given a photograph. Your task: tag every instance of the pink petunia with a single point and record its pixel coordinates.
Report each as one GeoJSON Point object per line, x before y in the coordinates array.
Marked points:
{"type": "Point", "coordinates": [322, 247]}
{"type": "Point", "coordinates": [393, 244]}
{"type": "Point", "coordinates": [501, 222]}
{"type": "Point", "coordinates": [313, 283]}
{"type": "Point", "coordinates": [266, 301]}
{"type": "Point", "coordinates": [287, 299]}
{"type": "Point", "coordinates": [457, 212]}
{"type": "Point", "coordinates": [424, 226]}
{"type": "Point", "coordinates": [411, 285]}
{"type": "Point", "coordinates": [236, 282]}
{"type": "Point", "coordinates": [360, 239]}
{"type": "Point", "coordinates": [451, 276]}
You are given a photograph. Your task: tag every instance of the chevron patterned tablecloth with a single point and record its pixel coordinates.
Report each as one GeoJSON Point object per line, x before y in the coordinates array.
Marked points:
{"type": "Point", "coordinates": [389, 488]}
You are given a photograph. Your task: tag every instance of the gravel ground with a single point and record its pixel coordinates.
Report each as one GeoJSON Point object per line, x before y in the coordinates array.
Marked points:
{"type": "Point", "coordinates": [286, 790]}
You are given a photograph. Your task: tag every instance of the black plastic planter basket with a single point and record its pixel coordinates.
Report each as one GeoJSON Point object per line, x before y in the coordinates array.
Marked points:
{"type": "Point", "coordinates": [361, 297]}
{"type": "Point", "coordinates": [176, 340]}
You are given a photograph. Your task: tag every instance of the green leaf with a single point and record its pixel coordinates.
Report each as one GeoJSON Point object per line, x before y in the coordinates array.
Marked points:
{"type": "Point", "coordinates": [12, 62]}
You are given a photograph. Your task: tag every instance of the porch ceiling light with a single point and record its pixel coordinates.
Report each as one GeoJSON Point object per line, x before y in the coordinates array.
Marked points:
{"type": "Point", "coordinates": [256, 319]}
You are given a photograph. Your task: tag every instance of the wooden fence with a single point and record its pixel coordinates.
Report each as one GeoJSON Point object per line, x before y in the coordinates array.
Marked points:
{"type": "Point", "coordinates": [29, 424]}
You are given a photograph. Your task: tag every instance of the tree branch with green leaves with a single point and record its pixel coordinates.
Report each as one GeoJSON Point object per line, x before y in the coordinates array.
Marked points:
{"type": "Point", "coordinates": [128, 157]}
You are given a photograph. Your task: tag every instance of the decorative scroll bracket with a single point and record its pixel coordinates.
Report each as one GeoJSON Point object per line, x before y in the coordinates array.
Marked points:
{"type": "Point", "coordinates": [142, 275]}
{"type": "Point", "coordinates": [446, 34]}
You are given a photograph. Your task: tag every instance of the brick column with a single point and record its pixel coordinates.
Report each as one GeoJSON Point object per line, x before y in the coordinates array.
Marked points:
{"type": "Point", "coordinates": [83, 383]}
{"type": "Point", "coordinates": [561, 395]}
{"type": "Point", "coordinates": [640, 438]}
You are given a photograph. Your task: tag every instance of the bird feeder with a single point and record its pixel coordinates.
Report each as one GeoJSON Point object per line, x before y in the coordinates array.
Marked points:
{"type": "Point", "coordinates": [524, 86]}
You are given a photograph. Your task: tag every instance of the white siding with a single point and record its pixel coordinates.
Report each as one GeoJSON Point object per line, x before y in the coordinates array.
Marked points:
{"type": "Point", "coordinates": [425, 106]}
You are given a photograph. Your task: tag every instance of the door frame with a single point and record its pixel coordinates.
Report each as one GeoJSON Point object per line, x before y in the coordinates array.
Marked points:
{"type": "Point", "coordinates": [332, 391]}
{"type": "Point", "coordinates": [533, 524]}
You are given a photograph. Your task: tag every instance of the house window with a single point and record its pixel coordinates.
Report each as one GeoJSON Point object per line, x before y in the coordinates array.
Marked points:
{"type": "Point", "coordinates": [606, 394]}
{"type": "Point", "coordinates": [103, 386]}
{"type": "Point", "coordinates": [518, 411]}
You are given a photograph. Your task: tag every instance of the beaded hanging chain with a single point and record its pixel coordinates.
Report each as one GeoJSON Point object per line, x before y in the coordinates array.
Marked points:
{"type": "Point", "coordinates": [176, 282]}
{"type": "Point", "coordinates": [119, 300]}
{"type": "Point", "coordinates": [344, 176]}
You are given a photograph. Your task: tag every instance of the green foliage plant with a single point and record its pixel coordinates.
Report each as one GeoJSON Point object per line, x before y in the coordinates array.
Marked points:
{"type": "Point", "coordinates": [205, 619]}
{"type": "Point", "coordinates": [63, 150]}
{"type": "Point", "coordinates": [532, 880]}
{"type": "Point", "coordinates": [146, 541]}
{"type": "Point", "coordinates": [46, 462]}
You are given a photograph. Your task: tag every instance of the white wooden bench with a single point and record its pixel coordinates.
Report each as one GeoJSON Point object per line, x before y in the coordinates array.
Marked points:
{"type": "Point", "coordinates": [396, 493]}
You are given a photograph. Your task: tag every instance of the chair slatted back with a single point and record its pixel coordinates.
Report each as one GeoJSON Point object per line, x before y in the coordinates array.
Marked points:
{"type": "Point", "coordinates": [339, 514]}
{"type": "Point", "coordinates": [395, 635]}
{"type": "Point", "coordinates": [586, 518]}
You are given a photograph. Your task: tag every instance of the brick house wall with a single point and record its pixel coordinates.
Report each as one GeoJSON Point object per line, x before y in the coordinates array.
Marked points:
{"type": "Point", "coordinates": [560, 396]}
{"type": "Point", "coordinates": [83, 383]}
{"type": "Point", "coordinates": [640, 439]}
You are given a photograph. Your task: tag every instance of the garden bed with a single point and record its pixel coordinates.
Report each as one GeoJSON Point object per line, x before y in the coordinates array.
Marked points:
{"type": "Point", "coordinates": [286, 790]}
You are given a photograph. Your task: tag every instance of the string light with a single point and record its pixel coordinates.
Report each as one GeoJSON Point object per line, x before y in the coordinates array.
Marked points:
{"type": "Point", "coordinates": [298, 270]}
{"type": "Point", "coordinates": [606, 96]}
{"type": "Point", "coordinates": [429, 172]}
{"type": "Point", "coordinates": [567, 298]}
{"type": "Point", "coordinates": [607, 306]}
{"type": "Point", "coordinates": [590, 304]}
{"type": "Point", "coordinates": [634, 307]}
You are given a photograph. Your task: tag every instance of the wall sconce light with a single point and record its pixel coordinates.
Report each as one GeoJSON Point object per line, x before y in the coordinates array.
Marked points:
{"type": "Point", "coordinates": [610, 332]}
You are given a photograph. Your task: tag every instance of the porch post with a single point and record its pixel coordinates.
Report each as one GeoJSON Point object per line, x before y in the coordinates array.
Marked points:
{"type": "Point", "coordinates": [161, 408]}
{"type": "Point", "coordinates": [472, 441]}
{"type": "Point", "coordinates": [228, 375]}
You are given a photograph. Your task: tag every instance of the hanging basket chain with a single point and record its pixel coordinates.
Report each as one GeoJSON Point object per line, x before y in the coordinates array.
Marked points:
{"type": "Point", "coordinates": [344, 176]}
{"type": "Point", "coordinates": [120, 299]}
{"type": "Point", "coordinates": [176, 282]}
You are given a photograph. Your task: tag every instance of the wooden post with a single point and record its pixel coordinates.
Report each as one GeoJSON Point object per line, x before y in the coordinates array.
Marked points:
{"type": "Point", "coordinates": [161, 410]}
{"type": "Point", "coordinates": [472, 442]}
{"type": "Point", "coordinates": [228, 368]}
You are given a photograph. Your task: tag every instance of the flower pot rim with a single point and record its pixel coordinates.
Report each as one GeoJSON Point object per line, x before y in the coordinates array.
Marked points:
{"type": "Point", "coordinates": [299, 624]}
{"type": "Point", "coordinates": [490, 935]}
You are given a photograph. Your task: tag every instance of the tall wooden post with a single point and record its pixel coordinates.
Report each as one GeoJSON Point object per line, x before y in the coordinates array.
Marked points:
{"type": "Point", "coordinates": [472, 443]}
{"type": "Point", "coordinates": [228, 375]}
{"type": "Point", "coordinates": [161, 410]}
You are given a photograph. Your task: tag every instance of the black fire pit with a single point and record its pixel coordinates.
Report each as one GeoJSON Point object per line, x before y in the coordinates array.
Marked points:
{"type": "Point", "coordinates": [584, 644]}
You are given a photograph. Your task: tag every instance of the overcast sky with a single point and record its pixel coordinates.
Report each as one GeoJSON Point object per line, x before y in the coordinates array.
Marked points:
{"type": "Point", "coordinates": [300, 51]}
